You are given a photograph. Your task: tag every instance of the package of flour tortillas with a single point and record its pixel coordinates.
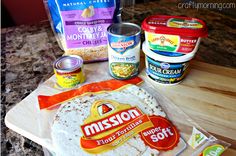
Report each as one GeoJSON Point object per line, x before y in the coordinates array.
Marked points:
{"type": "Point", "coordinates": [108, 117]}
{"type": "Point", "coordinates": [80, 26]}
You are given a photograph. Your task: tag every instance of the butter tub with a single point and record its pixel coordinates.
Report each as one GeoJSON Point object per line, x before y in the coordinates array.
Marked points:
{"type": "Point", "coordinates": [164, 69]}
{"type": "Point", "coordinates": [173, 35]}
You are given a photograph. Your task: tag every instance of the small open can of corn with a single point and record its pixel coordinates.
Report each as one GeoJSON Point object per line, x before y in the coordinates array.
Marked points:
{"type": "Point", "coordinates": [69, 71]}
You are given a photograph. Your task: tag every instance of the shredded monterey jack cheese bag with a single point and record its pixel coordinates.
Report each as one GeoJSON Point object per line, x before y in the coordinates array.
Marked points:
{"type": "Point", "coordinates": [81, 25]}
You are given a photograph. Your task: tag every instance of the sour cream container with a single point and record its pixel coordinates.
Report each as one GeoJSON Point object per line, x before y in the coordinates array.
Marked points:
{"type": "Point", "coordinates": [173, 35]}
{"type": "Point", "coordinates": [165, 69]}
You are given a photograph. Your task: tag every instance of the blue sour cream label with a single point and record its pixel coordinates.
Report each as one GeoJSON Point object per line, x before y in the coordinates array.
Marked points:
{"type": "Point", "coordinates": [165, 73]}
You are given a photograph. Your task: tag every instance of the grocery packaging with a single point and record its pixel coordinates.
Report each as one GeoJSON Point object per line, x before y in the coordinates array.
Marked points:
{"type": "Point", "coordinates": [69, 71]}
{"type": "Point", "coordinates": [114, 117]}
{"type": "Point", "coordinates": [124, 50]}
{"type": "Point", "coordinates": [166, 69]}
{"type": "Point", "coordinates": [173, 35]}
{"type": "Point", "coordinates": [81, 26]}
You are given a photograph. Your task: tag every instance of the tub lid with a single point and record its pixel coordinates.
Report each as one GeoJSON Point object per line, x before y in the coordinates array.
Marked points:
{"type": "Point", "coordinates": [175, 25]}
{"type": "Point", "coordinates": [162, 58]}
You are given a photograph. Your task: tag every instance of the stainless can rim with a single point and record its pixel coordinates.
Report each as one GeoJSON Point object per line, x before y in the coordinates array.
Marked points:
{"type": "Point", "coordinates": [123, 23]}
{"type": "Point", "coordinates": [56, 64]}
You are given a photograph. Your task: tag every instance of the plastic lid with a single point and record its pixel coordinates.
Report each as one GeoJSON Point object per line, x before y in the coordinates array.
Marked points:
{"type": "Point", "coordinates": [175, 25]}
{"type": "Point", "coordinates": [162, 58]}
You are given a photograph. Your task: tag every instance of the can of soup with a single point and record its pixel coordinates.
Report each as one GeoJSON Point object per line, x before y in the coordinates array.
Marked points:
{"type": "Point", "coordinates": [69, 71]}
{"type": "Point", "coordinates": [123, 50]}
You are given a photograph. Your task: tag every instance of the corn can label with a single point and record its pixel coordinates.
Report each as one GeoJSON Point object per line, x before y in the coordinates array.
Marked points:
{"type": "Point", "coordinates": [70, 79]}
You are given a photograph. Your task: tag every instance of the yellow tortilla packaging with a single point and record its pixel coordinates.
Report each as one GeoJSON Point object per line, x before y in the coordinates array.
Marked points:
{"type": "Point", "coordinates": [118, 118]}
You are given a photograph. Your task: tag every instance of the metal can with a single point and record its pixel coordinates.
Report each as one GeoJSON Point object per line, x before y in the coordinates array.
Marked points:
{"type": "Point", "coordinates": [69, 71]}
{"type": "Point", "coordinates": [124, 50]}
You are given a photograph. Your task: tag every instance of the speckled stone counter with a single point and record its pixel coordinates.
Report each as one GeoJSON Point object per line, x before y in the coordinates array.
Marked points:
{"type": "Point", "coordinates": [28, 52]}
{"type": "Point", "coordinates": [27, 56]}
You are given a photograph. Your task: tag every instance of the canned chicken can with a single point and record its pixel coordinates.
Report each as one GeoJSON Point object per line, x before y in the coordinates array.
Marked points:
{"type": "Point", "coordinates": [123, 50]}
{"type": "Point", "coordinates": [69, 71]}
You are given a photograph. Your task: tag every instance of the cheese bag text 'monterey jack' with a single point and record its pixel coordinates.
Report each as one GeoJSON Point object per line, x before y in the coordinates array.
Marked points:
{"type": "Point", "coordinates": [80, 26]}
{"type": "Point", "coordinates": [113, 118]}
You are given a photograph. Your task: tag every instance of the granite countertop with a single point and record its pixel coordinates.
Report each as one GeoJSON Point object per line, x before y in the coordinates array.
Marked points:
{"type": "Point", "coordinates": [28, 52]}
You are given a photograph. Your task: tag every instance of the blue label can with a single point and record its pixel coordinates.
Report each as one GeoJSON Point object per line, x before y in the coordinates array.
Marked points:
{"type": "Point", "coordinates": [124, 50]}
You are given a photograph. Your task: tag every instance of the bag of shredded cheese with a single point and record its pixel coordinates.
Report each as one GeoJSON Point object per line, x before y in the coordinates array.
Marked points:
{"type": "Point", "coordinates": [80, 26]}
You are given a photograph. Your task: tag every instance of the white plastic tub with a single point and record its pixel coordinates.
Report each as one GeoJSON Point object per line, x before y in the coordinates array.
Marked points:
{"type": "Point", "coordinates": [164, 69]}
{"type": "Point", "coordinates": [173, 35]}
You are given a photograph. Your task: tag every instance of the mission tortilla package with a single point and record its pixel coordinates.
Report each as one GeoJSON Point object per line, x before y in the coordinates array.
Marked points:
{"type": "Point", "coordinates": [80, 26]}
{"type": "Point", "coordinates": [121, 118]}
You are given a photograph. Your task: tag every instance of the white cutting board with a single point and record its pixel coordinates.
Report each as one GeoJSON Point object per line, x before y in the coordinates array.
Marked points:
{"type": "Point", "coordinates": [207, 92]}
{"type": "Point", "coordinates": [24, 117]}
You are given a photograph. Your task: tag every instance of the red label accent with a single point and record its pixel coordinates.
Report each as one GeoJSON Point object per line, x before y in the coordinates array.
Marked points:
{"type": "Point", "coordinates": [105, 109]}
{"type": "Point", "coordinates": [187, 44]}
{"type": "Point", "coordinates": [123, 45]}
{"type": "Point", "coordinates": [112, 121]}
{"type": "Point", "coordinates": [93, 143]}
{"type": "Point", "coordinates": [163, 136]}
{"type": "Point", "coordinates": [49, 102]}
